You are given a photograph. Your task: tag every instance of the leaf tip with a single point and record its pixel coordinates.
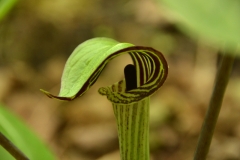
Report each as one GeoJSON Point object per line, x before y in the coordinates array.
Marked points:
{"type": "Point", "coordinates": [57, 97]}
{"type": "Point", "coordinates": [46, 93]}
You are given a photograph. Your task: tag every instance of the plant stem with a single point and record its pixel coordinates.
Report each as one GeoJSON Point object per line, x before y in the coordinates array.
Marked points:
{"type": "Point", "coordinates": [133, 129]}
{"type": "Point", "coordinates": [11, 148]}
{"type": "Point", "coordinates": [211, 117]}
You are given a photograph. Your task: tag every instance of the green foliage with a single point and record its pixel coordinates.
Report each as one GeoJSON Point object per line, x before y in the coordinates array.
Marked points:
{"type": "Point", "coordinates": [130, 96]}
{"type": "Point", "coordinates": [217, 20]}
{"type": "Point", "coordinates": [90, 54]}
{"type": "Point", "coordinates": [88, 60]}
{"type": "Point", "coordinates": [84, 61]}
{"type": "Point", "coordinates": [5, 6]}
{"type": "Point", "coordinates": [21, 136]}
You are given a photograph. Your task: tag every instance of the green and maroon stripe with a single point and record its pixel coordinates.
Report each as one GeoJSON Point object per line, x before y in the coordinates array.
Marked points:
{"type": "Point", "coordinates": [151, 68]}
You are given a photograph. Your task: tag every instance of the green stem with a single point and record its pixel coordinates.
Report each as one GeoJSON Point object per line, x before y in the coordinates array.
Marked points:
{"type": "Point", "coordinates": [11, 148]}
{"type": "Point", "coordinates": [211, 117]}
{"type": "Point", "coordinates": [133, 129]}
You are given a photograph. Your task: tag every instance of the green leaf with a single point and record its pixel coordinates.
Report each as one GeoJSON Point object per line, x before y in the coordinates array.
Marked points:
{"type": "Point", "coordinates": [84, 60]}
{"type": "Point", "coordinates": [130, 97]}
{"type": "Point", "coordinates": [5, 7]}
{"type": "Point", "coordinates": [216, 20]}
{"type": "Point", "coordinates": [22, 137]}
{"type": "Point", "coordinates": [89, 59]}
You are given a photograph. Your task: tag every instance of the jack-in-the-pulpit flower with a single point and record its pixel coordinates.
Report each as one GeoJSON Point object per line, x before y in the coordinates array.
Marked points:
{"type": "Point", "coordinates": [129, 97]}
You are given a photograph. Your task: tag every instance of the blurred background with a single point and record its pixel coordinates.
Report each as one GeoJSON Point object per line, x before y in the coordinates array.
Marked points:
{"type": "Point", "coordinates": [37, 37]}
